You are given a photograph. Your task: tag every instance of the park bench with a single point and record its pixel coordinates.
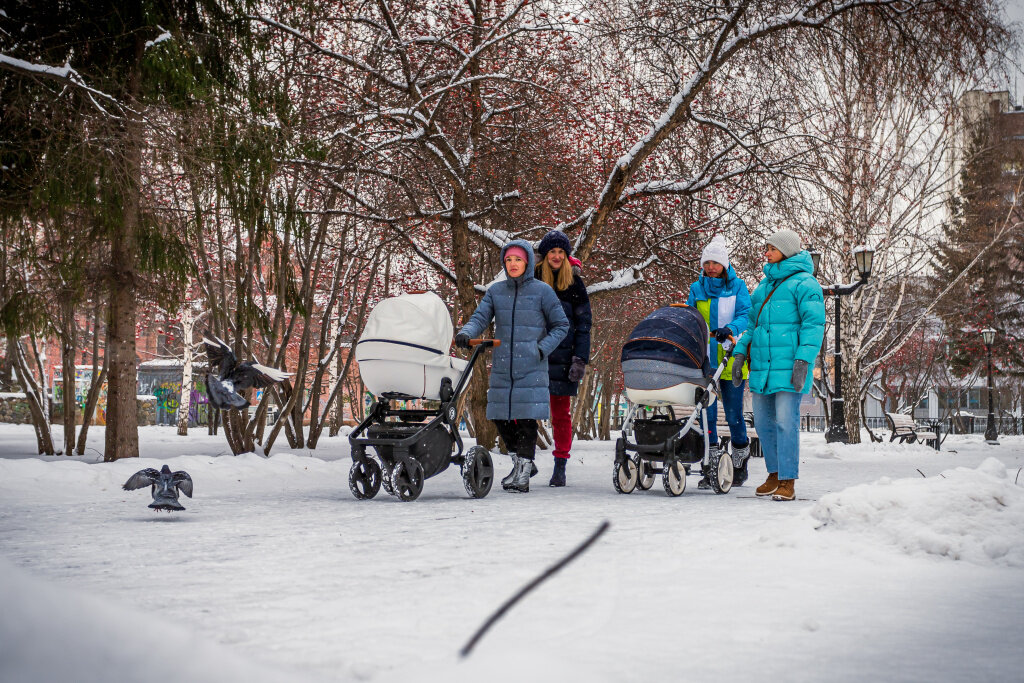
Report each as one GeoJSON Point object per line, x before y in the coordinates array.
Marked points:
{"type": "Point", "coordinates": [905, 429]}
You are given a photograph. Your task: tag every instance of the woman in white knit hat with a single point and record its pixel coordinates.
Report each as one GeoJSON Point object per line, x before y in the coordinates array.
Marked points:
{"type": "Point", "coordinates": [723, 299]}
{"type": "Point", "coordinates": [786, 325]}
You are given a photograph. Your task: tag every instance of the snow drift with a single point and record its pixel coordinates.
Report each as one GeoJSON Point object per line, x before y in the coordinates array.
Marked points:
{"type": "Point", "coordinates": [975, 515]}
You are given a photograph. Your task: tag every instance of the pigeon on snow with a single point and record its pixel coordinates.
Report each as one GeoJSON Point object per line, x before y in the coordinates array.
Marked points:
{"type": "Point", "coordinates": [165, 486]}
{"type": "Point", "coordinates": [233, 376]}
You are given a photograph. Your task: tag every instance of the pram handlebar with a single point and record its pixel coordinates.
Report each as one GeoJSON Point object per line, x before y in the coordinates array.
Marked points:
{"type": "Point", "coordinates": [485, 342]}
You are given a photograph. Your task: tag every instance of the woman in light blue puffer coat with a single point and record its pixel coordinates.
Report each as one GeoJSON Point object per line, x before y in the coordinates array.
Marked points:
{"type": "Point", "coordinates": [785, 328]}
{"type": "Point", "coordinates": [529, 321]}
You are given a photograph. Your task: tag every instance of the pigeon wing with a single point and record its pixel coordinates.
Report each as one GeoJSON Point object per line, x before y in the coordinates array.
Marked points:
{"type": "Point", "coordinates": [183, 482]}
{"type": "Point", "coordinates": [256, 375]}
{"type": "Point", "coordinates": [220, 354]}
{"type": "Point", "coordinates": [146, 477]}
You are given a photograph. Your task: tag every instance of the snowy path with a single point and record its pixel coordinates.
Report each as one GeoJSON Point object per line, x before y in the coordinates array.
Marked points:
{"type": "Point", "coordinates": [274, 562]}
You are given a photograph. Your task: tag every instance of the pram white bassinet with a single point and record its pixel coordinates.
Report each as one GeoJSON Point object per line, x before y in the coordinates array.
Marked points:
{"type": "Point", "coordinates": [404, 347]}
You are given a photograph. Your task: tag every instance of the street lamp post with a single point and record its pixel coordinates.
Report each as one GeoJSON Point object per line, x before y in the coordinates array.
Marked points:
{"type": "Point", "coordinates": [863, 258]}
{"type": "Point", "coordinates": [991, 434]}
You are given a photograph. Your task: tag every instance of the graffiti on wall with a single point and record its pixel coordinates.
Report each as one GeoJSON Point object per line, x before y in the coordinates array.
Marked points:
{"type": "Point", "coordinates": [83, 380]}
{"type": "Point", "coordinates": [166, 387]}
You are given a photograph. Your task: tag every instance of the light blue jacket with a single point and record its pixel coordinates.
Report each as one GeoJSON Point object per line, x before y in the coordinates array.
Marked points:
{"type": "Point", "coordinates": [529, 321]}
{"type": "Point", "coordinates": [724, 302]}
{"type": "Point", "coordinates": [790, 328]}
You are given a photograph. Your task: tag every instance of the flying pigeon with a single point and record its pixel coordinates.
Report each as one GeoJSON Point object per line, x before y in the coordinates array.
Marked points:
{"type": "Point", "coordinates": [165, 486]}
{"type": "Point", "coordinates": [234, 376]}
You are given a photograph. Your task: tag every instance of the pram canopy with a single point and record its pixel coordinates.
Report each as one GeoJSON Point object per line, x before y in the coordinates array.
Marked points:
{"type": "Point", "coordinates": [404, 346]}
{"type": "Point", "coordinates": [419, 323]}
{"type": "Point", "coordinates": [668, 347]}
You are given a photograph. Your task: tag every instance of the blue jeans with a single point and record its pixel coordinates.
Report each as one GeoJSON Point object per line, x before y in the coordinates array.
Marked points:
{"type": "Point", "coordinates": [732, 401]}
{"type": "Point", "coordinates": [777, 420]}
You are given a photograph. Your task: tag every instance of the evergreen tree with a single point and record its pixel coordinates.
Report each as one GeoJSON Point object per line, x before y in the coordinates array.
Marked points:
{"type": "Point", "coordinates": [990, 294]}
{"type": "Point", "coordinates": [82, 83]}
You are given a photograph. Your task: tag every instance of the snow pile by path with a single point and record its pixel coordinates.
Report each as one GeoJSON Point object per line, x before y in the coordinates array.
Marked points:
{"type": "Point", "coordinates": [964, 514]}
{"type": "Point", "coordinates": [51, 633]}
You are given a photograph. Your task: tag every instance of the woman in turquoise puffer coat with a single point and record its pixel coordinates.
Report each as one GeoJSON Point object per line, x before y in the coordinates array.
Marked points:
{"type": "Point", "coordinates": [785, 328]}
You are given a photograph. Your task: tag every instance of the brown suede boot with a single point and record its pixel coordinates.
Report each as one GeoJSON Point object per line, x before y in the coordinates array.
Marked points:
{"type": "Point", "coordinates": [770, 486]}
{"type": "Point", "coordinates": [786, 490]}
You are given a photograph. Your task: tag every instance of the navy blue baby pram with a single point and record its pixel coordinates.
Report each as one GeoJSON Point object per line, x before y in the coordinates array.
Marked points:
{"type": "Point", "coordinates": [665, 365]}
{"type": "Point", "coordinates": [667, 347]}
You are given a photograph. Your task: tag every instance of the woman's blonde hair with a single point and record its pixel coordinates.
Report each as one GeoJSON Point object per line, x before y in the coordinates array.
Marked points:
{"type": "Point", "coordinates": [564, 275]}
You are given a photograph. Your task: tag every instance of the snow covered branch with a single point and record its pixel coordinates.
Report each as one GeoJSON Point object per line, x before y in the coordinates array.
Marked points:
{"type": "Point", "coordinates": [622, 278]}
{"type": "Point", "coordinates": [63, 74]}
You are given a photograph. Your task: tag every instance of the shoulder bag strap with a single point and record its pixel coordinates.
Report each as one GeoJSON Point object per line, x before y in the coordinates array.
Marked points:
{"type": "Point", "coordinates": [765, 302]}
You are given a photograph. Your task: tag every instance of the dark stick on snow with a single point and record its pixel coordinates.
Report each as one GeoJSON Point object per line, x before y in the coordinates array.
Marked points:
{"type": "Point", "coordinates": [1018, 476]}
{"type": "Point", "coordinates": [921, 473]}
{"type": "Point", "coordinates": [548, 573]}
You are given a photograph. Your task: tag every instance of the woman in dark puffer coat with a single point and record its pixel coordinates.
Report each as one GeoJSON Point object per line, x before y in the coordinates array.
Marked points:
{"type": "Point", "coordinates": [529, 321]}
{"type": "Point", "coordinates": [567, 362]}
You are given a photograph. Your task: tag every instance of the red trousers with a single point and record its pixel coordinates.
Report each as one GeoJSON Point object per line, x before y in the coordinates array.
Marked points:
{"type": "Point", "coordinates": [561, 425]}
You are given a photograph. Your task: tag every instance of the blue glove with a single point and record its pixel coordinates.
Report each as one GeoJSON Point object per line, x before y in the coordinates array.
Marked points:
{"type": "Point", "coordinates": [462, 340]}
{"type": "Point", "coordinates": [722, 334]}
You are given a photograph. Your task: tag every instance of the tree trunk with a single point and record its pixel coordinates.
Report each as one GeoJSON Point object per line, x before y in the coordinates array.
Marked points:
{"type": "Point", "coordinates": [486, 433]}
{"type": "Point", "coordinates": [122, 433]}
{"type": "Point", "coordinates": [7, 366]}
{"type": "Point", "coordinates": [68, 346]}
{"type": "Point", "coordinates": [605, 432]}
{"type": "Point", "coordinates": [851, 391]}
{"type": "Point", "coordinates": [44, 440]}
{"type": "Point", "coordinates": [91, 402]}
{"type": "Point", "coordinates": [185, 400]}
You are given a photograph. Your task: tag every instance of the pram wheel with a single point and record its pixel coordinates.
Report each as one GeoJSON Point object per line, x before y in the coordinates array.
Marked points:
{"type": "Point", "coordinates": [364, 479]}
{"type": "Point", "coordinates": [624, 476]}
{"type": "Point", "coordinates": [674, 479]}
{"type": "Point", "coordinates": [645, 475]}
{"type": "Point", "coordinates": [720, 473]}
{"type": "Point", "coordinates": [407, 479]}
{"type": "Point", "coordinates": [478, 472]}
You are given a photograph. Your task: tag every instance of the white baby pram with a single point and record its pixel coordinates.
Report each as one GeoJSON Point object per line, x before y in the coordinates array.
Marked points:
{"type": "Point", "coordinates": [664, 366]}
{"type": "Point", "coordinates": [403, 355]}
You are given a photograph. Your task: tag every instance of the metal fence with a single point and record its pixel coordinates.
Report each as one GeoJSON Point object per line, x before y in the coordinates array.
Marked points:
{"type": "Point", "coordinates": [964, 424]}
{"type": "Point", "coordinates": [819, 423]}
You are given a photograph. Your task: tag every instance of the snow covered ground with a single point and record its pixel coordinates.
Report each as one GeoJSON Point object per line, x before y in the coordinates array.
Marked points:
{"type": "Point", "coordinates": [276, 573]}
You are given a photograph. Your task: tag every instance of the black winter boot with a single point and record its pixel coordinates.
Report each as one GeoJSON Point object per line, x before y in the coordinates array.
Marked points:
{"type": "Point", "coordinates": [558, 474]}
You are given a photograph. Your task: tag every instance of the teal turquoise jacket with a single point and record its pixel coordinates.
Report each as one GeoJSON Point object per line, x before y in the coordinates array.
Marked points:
{"type": "Point", "coordinates": [724, 302]}
{"type": "Point", "coordinates": [790, 328]}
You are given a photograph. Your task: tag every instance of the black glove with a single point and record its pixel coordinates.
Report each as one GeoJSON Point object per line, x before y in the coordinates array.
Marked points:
{"type": "Point", "coordinates": [737, 369]}
{"type": "Point", "coordinates": [722, 334]}
{"type": "Point", "coordinates": [462, 340]}
{"type": "Point", "coordinates": [577, 369]}
{"type": "Point", "coordinates": [799, 375]}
